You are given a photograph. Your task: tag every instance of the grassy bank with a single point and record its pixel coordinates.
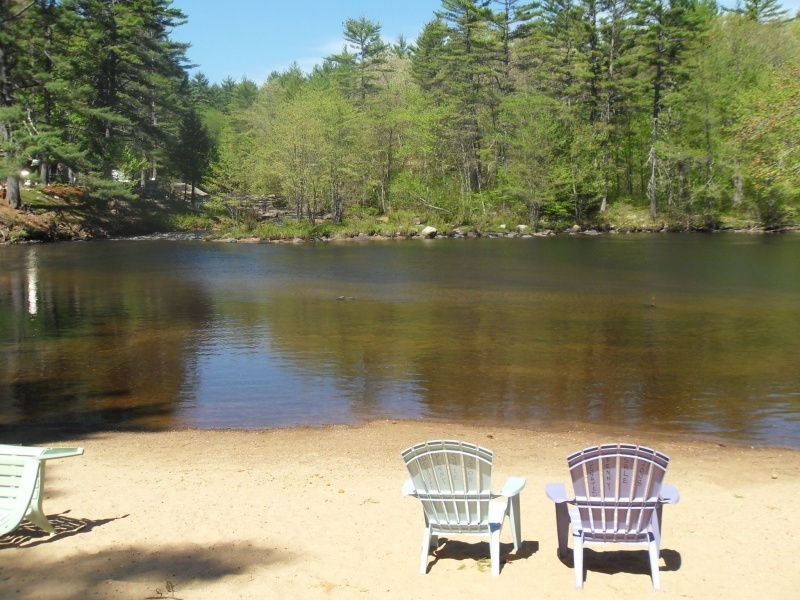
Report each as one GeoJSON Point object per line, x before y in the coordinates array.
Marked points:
{"type": "Point", "coordinates": [55, 213]}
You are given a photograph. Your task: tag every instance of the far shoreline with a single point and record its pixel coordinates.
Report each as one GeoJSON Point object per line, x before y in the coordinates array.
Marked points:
{"type": "Point", "coordinates": [48, 217]}
{"type": "Point", "coordinates": [205, 236]}
{"type": "Point", "coordinates": [51, 433]}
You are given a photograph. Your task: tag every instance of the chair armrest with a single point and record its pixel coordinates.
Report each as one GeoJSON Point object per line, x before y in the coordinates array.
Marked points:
{"type": "Point", "coordinates": [513, 486]}
{"type": "Point", "coordinates": [557, 492]}
{"type": "Point", "coordinates": [60, 453]}
{"type": "Point", "coordinates": [669, 494]}
{"type": "Point", "coordinates": [409, 489]}
{"type": "Point", "coordinates": [39, 452]}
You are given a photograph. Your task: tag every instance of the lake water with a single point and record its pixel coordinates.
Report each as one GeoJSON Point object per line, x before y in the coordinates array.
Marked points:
{"type": "Point", "coordinates": [693, 335]}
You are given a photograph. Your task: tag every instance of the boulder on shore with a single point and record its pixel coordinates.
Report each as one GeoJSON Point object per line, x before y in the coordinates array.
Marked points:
{"type": "Point", "coordinates": [428, 232]}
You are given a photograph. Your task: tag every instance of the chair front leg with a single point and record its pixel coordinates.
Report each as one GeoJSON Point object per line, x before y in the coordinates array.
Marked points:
{"type": "Point", "coordinates": [426, 548]}
{"type": "Point", "coordinates": [494, 550]}
{"type": "Point", "coordinates": [655, 527]}
{"type": "Point", "coordinates": [562, 528]}
{"type": "Point", "coordinates": [652, 549]}
{"type": "Point", "coordinates": [35, 511]}
{"type": "Point", "coordinates": [577, 553]}
{"type": "Point", "coordinates": [514, 517]}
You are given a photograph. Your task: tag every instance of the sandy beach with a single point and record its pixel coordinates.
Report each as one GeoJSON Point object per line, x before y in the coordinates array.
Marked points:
{"type": "Point", "coordinates": [318, 513]}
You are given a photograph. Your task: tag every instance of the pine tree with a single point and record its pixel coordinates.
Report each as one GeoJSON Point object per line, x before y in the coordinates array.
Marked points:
{"type": "Point", "coordinates": [617, 88]}
{"type": "Point", "coordinates": [672, 27]}
{"type": "Point", "coordinates": [14, 17]}
{"type": "Point", "coordinates": [401, 47]}
{"type": "Point", "coordinates": [200, 88]}
{"type": "Point", "coordinates": [427, 63]}
{"type": "Point", "coordinates": [363, 37]}
{"type": "Point", "coordinates": [193, 151]}
{"type": "Point", "coordinates": [467, 61]}
{"type": "Point", "coordinates": [763, 10]}
{"type": "Point", "coordinates": [512, 20]}
{"type": "Point", "coordinates": [132, 72]}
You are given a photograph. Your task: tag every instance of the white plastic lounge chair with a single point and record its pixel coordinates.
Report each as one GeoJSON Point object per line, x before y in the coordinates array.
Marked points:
{"type": "Point", "coordinates": [619, 494]}
{"type": "Point", "coordinates": [18, 477]}
{"type": "Point", "coordinates": [453, 480]}
{"type": "Point", "coordinates": [34, 512]}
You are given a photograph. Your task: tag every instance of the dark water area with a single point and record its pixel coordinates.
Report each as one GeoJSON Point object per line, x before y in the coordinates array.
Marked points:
{"type": "Point", "coordinates": [696, 336]}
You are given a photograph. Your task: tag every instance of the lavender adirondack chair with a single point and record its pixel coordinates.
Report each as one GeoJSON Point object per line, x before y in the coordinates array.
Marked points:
{"type": "Point", "coordinates": [453, 481]}
{"type": "Point", "coordinates": [619, 495]}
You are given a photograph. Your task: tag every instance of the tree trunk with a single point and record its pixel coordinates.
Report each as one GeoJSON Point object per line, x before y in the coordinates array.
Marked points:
{"type": "Point", "coordinates": [738, 190]}
{"type": "Point", "coordinates": [604, 202]}
{"type": "Point", "coordinates": [651, 186]}
{"type": "Point", "coordinates": [12, 192]}
{"type": "Point", "coordinates": [6, 132]}
{"type": "Point", "coordinates": [44, 171]}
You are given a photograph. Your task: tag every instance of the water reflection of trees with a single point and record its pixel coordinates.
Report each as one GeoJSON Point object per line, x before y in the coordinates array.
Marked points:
{"type": "Point", "coordinates": [100, 349]}
{"type": "Point", "coordinates": [107, 343]}
{"type": "Point", "coordinates": [685, 364]}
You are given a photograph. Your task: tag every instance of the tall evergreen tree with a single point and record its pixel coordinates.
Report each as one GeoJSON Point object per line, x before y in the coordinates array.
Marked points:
{"type": "Point", "coordinates": [132, 71]}
{"type": "Point", "coordinates": [616, 88]}
{"type": "Point", "coordinates": [763, 10]}
{"type": "Point", "coordinates": [468, 59]}
{"type": "Point", "coordinates": [14, 16]}
{"type": "Point", "coordinates": [672, 26]}
{"type": "Point", "coordinates": [193, 151]}
{"type": "Point", "coordinates": [402, 48]}
{"type": "Point", "coordinates": [427, 63]}
{"type": "Point", "coordinates": [512, 19]}
{"type": "Point", "coordinates": [368, 55]}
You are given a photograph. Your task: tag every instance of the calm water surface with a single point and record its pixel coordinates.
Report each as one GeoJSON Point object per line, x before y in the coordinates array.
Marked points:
{"type": "Point", "coordinates": [695, 335]}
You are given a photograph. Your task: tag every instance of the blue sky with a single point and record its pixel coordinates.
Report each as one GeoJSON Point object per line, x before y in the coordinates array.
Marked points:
{"type": "Point", "coordinates": [252, 38]}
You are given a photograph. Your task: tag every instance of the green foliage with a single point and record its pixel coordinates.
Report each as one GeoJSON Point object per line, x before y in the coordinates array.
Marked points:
{"type": "Point", "coordinates": [762, 10]}
{"type": "Point", "coordinates": [194, 149]}
{"type": "Point", "coordinates": [193, 221]}
{"type": "Point", "coordinates": [108, 189]}
{"type": "Point", "coordinates": [502, 111]}
{"type": "Point", "coordinates": [359, 71]}
{"type": "Point", "coordinates": [90, 87]}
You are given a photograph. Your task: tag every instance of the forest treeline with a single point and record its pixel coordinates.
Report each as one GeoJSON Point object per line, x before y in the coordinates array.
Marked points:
{"type": "Point", "coordinates": [547, 113]}
{"type": "Point", "coordinates": [91, 90]}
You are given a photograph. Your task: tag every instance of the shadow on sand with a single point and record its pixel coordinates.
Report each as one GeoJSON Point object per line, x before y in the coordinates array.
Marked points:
{"type": "Point", "coordinates": [479, 552]}
{"type": "Point", "coordinates": [28, 534]}
{"type": "Point", "coordinates": [26, 572]}
{"type": "Point", "coordinates": [636, 562]}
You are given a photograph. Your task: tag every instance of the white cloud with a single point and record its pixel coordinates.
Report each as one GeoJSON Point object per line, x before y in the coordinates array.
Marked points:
{"type": "Point", "coordinates": [333, 46]}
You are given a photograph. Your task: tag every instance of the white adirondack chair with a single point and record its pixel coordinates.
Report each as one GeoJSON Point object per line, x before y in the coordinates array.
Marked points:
{"type": "Point", "coordinates": [18, 477]}
{"type": "Point", "coordinates": [39, 456]}
{"type": "Point", "coordinates": [619, 494]}
{"type": "Point", "coordinates": [453, 480]}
